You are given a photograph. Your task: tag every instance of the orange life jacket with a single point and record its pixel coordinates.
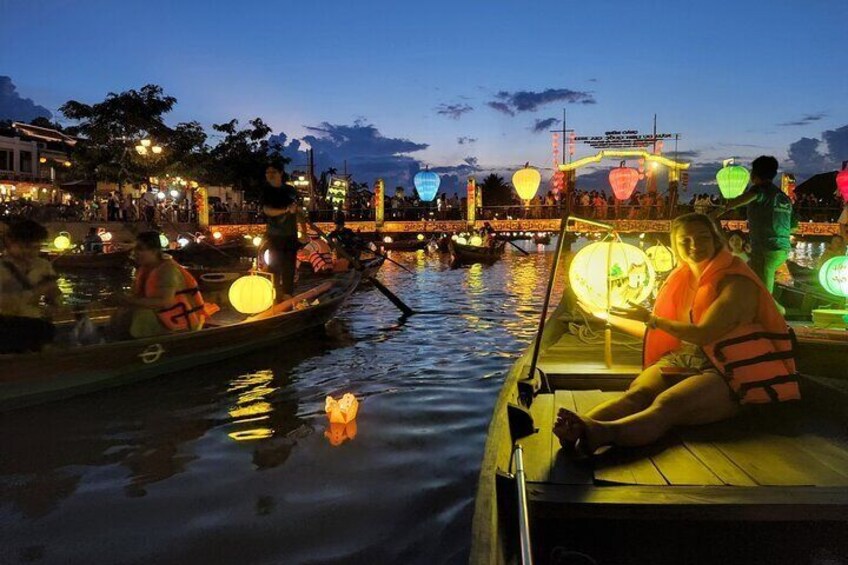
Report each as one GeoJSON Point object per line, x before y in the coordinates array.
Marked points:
{"type": "Point", "coordinates": [319, 255]}
{"type": "Point", "coordinates": [188, 312]}
{"type": "Point", "coordinates": [756, 358]}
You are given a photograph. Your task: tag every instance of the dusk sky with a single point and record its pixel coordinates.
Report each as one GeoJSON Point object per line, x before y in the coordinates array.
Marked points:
{"type": "Point", "coordinates": [457, 85]}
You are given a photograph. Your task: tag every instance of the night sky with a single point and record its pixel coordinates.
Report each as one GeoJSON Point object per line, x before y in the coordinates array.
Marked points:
{"type": "Point", "coordinates": [392, 86]}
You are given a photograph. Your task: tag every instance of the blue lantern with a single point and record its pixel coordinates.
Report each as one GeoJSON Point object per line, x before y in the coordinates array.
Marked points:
{"type": "Point", "coordinates": [427, 185]}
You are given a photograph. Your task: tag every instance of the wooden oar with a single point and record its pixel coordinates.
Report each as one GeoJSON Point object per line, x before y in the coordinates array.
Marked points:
{"type": "Point", "coordinates": [514, 245]}
{"type": "Point", "coordinates": [407, 311]}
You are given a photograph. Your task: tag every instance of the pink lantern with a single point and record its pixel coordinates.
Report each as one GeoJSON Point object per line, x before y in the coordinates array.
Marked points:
{"type": "Point", "coordinates": [842, 181]}
{"type": "Point", "coordinates": [623, 181]}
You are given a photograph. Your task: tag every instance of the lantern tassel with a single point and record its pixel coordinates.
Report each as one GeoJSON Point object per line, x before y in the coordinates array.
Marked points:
{"type": "Point", "coordinates": [608, 346]}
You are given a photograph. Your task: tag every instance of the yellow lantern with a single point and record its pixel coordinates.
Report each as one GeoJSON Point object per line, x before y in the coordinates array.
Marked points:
{"type": "Point", "coordinates": [257, 241]}
{"type": "Point", "coordinates": [420, 237]}
{"type": "Point", "coordinates": [461, 240]}
{"type": "Point", "coordinates": [611, 273]}
{"type": "Point", "coordinates": [62, 241]}
{"type": "Point", "coordinates": [476, 241]}
{"type": "Point", "coordinates": [251, 294]}
{"type": "Point", "coordinates": [343, 410]}
{"type": "Point", "coordinates": [217, 235]}
{"type": "Point", "coordinates": [661, 258]}
{"type": "Point", "coordinates": [387, 239]}
{"type": "Point", "coordinates": [526, 182]}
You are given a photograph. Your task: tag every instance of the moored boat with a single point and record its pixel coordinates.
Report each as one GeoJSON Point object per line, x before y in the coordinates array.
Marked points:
{"type": "Point", "coordinates": [469, 254]}
{"type": "Point", "coordinates": [61, 372]}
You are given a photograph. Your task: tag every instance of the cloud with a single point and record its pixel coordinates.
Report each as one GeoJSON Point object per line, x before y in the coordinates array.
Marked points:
{"type": "Point", "coordinates": [593, 80]}
{"type": "Point", "coordinates": [501, 107]}
{"type": "Point", "coordinates": [453, 177]}
{"type": "Point", "coordinates": [690, 154]}
{"type": "Point", "coordinates": [529, 101]}
{"type": "Point", "coordinates": [810, 156]}
{"type": "Point", "coordinates": [13, 107]}
{"type": "Point", "coordinates": [453, 111]}
{"type": "Point", "coordinates": [804, 120]}
{"type": "Point", "coordinates": [540, 126]}
{"type": "Point", "coordinates": [368, 153]}
{"type": "Point", "coordinates": [465, 140]}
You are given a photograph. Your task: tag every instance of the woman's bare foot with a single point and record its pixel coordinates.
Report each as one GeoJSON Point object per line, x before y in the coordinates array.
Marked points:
{"type": "Point", "coordinates": [571, 428]}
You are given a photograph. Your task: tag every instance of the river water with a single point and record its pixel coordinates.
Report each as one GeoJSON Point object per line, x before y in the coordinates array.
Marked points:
{"type": "Point", "coordinates": [236, 463]}
{"type": "Point", "coordinates": [233, 463]}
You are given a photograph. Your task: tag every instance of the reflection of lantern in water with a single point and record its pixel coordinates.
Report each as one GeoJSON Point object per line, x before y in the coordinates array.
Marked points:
{"type": "Point", "coordinates": [62, 241]}
{"type": "Point", "coordinates": [611, 269]}
{"type": "Point", "coordinates": [343, 410]}
{"type": "Point", "coordinates": [338, 433]}
{"type": "Point", "coordinates": [833, 276]}
{"type": "Point", "coordinates": [661, 258]}
{"type": "Point", "coordinates": [476, 241]}
{"type": "Point", "coordinates": [732, 179]}
{"type": "Point", "coordinates": [251, 294]}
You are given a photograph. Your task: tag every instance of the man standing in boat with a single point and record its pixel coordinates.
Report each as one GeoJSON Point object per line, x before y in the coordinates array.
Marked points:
{"type": "Point", "coordinates": [769, 220]}
{"type": "Point", "coordinates": [26, 279]}
{"type": "Point", "coordinates": [284, 217]}
{"type": "Point", "coordinates": [713, 342]}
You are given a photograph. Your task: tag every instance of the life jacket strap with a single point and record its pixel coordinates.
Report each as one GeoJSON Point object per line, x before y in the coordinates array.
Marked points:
{"type": "Point", "coordinates": [766, 357]}
{"type": "Point", "coordinates": [717, 350]}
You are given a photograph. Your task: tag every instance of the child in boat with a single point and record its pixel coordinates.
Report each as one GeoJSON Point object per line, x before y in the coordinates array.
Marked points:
{"type": "Point", "coordinates": [26, 279]}
{"type": "Point", "coordinates": [165, 296]}
{"type": "Point", "coordinates": [713, 342]}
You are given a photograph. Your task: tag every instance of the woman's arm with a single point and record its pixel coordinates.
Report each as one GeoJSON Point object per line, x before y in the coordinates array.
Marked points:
{"type": "Point", "coordinates": [736, 304]}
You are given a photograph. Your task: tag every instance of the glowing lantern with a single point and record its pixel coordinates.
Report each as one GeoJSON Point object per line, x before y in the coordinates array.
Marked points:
{"type": "Point", "coordinates": [337, 434]}
{"type": "Point", "coordinates": [611, 269]}
{"type": "Point", "coordinates": [343, 410]}
{"type": "Point", "coordinates": [732, 179]}
{"type": "Point", "coordinates": [842, 181]}
{"type": "Point", "coordinates": [461, 240]}
{"type": "Point", "coordinates": [266, 257]}
{"type": "Point", "coordinates": [526, 182]}
{"type": "Point", "coordinates": [427, 184]}
{"type": "Point", "coordinates": [62, 241]}
{"type": "Point", "coordinates": [661, 258]}
{"type": "Point", "coordinates": [217, 235]}
{"type": "Point", "coordinates": [163, 241]}
{"type": "Point", "coordinates": [833, 276]}
{"type": "Point", "coordinates": [476, 241]}
{"type": "Point", "coordinates": [251, 294]}
{"type": "Point", "coordinates": [257, 241]}
{"type": "Point", "coordinates": [454, 237]}
{"type": "Point", "coordinates": [420, 237]}
{"type": "Point", "coordinates": [387, 239]}
{"type": "Point", "coordinates": [106, 236]}
{"type": "Point", "coordinates": [623, 181]}
{"type": "Point", "coordinates": [160, 195]}
{"type": "Point", "coordinates": [182, 241]}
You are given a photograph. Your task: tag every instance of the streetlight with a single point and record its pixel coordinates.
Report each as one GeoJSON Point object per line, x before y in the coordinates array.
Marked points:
{"type": "Point", "coordinates": [146, 146]}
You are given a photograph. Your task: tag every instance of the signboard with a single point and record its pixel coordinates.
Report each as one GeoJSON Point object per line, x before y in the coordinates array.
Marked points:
{"type": "Point", "coordinates": [622, 139]}
{"type": "Point", "coordinates": [787, 185]}
{"type": "Point", "coordinates": [379, 202]}
{"type": "Point", "coordinates": [471, 200]}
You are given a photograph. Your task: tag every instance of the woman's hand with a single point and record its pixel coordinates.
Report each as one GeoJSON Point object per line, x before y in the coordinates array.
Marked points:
{"type": "Point", "coordinates": [595, 313]}
{"type": "Point", "coordinates": [635, 312]}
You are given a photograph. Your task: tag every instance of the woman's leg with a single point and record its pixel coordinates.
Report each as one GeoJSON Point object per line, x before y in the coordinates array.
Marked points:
{"type": "Point", "coordinates": [700, 399]}
{"type": "Point", "coordinates": [642, 391]}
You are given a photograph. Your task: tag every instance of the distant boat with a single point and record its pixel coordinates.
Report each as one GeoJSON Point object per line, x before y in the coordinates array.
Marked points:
{"type": "Point", "coordinates": [470, 254]}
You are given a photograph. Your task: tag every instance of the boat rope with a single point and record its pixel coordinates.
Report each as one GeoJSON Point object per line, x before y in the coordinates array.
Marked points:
{"type": "Point", "coordinates": [585, 333]}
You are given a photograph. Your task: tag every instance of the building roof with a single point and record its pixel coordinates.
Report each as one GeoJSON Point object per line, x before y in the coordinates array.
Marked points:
{"type": "Point", "coordinates": [44, 134]}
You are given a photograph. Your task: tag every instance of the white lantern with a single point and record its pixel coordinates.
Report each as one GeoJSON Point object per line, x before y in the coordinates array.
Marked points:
{"type": "Point", "coordinates": [611, 274]}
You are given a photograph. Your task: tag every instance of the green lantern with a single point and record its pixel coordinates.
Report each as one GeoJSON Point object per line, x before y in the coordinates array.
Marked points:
{"type": "Point", "coordinates": [833, 276]}
{"type": "Point", "coordinates": [732, 179]}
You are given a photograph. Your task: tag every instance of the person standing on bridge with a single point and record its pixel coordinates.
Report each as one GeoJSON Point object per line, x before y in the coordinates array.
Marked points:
{"type": "Point", "coordinates": [769, 220]}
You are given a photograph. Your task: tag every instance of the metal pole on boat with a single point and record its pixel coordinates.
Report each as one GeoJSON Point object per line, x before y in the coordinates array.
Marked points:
{"type": "Point", "coordinates": [523, 513]}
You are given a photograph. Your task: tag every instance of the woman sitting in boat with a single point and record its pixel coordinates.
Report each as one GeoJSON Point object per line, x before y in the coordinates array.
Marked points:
{"type": "Point", "coordinates": [92, 243]}
{"type": "Point", "coordinates": [165, 296]}
{"type": "Point", "coordinates": [26, 279]}
{"type": "Point", "coordinates": [714, 342]}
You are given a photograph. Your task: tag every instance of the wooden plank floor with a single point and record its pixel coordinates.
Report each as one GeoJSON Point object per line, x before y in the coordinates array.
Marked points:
{"type": "Point", "coordinates": [778, 449]}
{"type": "Point", "coordinates": [570, 355]}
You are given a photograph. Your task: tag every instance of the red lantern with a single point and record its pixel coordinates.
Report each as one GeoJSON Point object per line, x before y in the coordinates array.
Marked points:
{"type": "Point", "coordinates": [623, 181]}
{"type": "Point", "coordinates": [842, 181]}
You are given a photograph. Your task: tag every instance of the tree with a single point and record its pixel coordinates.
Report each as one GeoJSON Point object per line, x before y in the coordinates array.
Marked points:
{"type": "Point", "coordinates": [496, 192]}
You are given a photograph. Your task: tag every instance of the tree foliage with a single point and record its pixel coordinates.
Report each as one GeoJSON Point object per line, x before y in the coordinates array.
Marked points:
{"type": "Point", "coordinates": [496, 192]}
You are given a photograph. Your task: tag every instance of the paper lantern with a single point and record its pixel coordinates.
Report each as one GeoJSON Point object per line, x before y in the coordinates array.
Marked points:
{"type": "Point", "coordinates": [842, 181]}
{"type": "Point", "coordinates": [732, 179]}
{"type": "Point", "coordinates": [163, 241]}
{"type": "Point", "coordinates": [62, 241]}
{"type": "Point", "coordinates": [337, 434]}
{"type": "Point", "coordinates": [476, 241]}
{"type": "Point", "coordinates": [613, 268]}
{"type": "Point", "coordinates": [387, 239]}
{"type": "Point", "coordinates": [343, 410]}
{"type": "Point", "coordinates": [623, 181]}
{"type": "Point", "coordinates": [217, 235]}
{"type": "Point", "coordinates": [251, 294]}
{"type": "Point", "coordinates": [526, 182]}
{"type": "Point", "coordinates": [420, 237]}
{"type": "Point", "coordinates": [461, 240]}
{"type": "Point", "coordinates": [257, 241]}
{"type": "Point", "coordinates": [662, 259]}
{"type": "Point", "coordinates": [454, 237]}
{"type": "Point", "coordinates": [833, 276]}
{"type": "Point", "coordinates": [183, 241]}
{"type": "Point", "coordinates": [427, 184]}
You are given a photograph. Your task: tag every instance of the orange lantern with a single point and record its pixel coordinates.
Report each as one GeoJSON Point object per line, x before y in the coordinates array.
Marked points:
{"type": "Point", "coordinates": [623, 181]}
{"type": "Point", "coordinates": [338, 433]}
{"type": "Point", "coordinates": [343, 410]}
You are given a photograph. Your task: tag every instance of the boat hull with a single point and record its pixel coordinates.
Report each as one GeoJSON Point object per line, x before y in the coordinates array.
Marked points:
{"type": "Point", "coordinates": [470, 254]}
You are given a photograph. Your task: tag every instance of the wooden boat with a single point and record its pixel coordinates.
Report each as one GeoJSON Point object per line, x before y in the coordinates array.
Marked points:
{"type": "Point", "coordinates": [469, 254]}
{"type": "Point", "coordinates": [72, 261]}
{"type": "Point", "coordinates": [370, 267]}
{"type": "Point", "coordinates": [539, 239]}
{"type": "Point", "coordinates": [404, 245]}
{"type": "Point", "coordinates": [209, 255]}
{"type": "Point", "coordinates": [62, 372]}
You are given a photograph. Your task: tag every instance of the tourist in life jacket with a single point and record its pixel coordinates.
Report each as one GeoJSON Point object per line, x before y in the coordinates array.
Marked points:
{"type": "Point", "coordinates": [165, 296]}
{"type": "Point", "coordinates": [26, 279]}
{"type": "Point", "coordinates": [713, 342]}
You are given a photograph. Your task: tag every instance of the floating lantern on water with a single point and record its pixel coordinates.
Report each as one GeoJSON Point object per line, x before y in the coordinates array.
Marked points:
{"type": "Point", "coordinates": [343, 410]}
{"type": "Point", "coordinates": [623, 181]}
{"type": "Point", "coordinates": [337, 434]}
{"type": "Point", "coordinates": [252, 294]}
{"type": "Point", "coordinates": [611, 274]}
{"type": "Point", "coordinates": [217, 235]}
{"type": "Point", "coordinates": [526, 182]}
{"type": "Point", "coordinates": [387, 239]}
{"type": "Point", "coordinates": [420, 237]}
{"type": "Point", "coordinates": [164, 241]}
{"type": "Point", "coordinates": [427, 184]}
{"type": "Point", "coordinates": [476, 241]}
{"type": "Point", "coordinates": [732, 179]}
{"type": "Point", "coordinates": [62, 241]}
{"type": "Point", "coordinates": [661, 258]}
{"type": "Point", "coordinates": [842, 181]}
